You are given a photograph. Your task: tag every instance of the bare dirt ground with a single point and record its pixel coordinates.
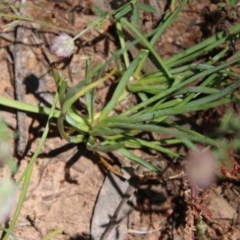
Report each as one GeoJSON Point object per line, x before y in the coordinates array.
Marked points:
{"type": "Point", "coordinates": [66, 179]}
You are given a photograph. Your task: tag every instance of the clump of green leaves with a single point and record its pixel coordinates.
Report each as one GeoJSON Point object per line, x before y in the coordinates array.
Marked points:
{"type": "Point", "coordinates": [184, 83]}
{"type": "Point", "coordinates": [176, 86]}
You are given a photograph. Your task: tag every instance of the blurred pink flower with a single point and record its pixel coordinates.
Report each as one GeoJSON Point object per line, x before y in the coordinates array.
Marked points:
{"type": "Point", "coordinates": [63, 45]}
{"type": "Point", "coordinates": [201, 169]}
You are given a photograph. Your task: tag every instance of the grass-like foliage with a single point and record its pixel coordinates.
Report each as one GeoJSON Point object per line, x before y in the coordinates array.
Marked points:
{"type": "Point", "coordinates": [184, 83]}
{"type": "Point", "coordinates": [187, 82]}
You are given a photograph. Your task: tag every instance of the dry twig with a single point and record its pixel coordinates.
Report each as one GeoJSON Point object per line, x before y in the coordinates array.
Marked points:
{"type": "Point", "coordinates": [18, 83]}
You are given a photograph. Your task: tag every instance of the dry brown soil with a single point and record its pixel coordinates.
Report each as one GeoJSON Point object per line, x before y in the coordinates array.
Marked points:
{"type": "Point", "coordinates": [56, 202]}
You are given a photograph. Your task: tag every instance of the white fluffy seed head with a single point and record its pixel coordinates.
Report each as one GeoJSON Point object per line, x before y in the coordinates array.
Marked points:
{"type": "Point", "coordinates": [63, 45]}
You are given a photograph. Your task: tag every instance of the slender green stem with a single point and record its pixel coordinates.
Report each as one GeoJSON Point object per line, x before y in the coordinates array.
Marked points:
{"type": "Point", "coordinates": [8, 102]}
{"type": "Point", "coordinates": [121, 86]}
{"type": "Point", "coordinates": [170, 18]}
{"type": "Point", "coordinates": [123, 44]}
{"type": "Point", "coordinates": [139, 35]}
{"type": "Point", "coordinates": [28, 171]}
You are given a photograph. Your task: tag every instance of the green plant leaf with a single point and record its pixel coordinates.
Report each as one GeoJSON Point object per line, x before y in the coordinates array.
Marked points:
{"type": "Point", "coordinates": [121, 86]}
{"type": "Point", "coordinates": [139, 160]}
